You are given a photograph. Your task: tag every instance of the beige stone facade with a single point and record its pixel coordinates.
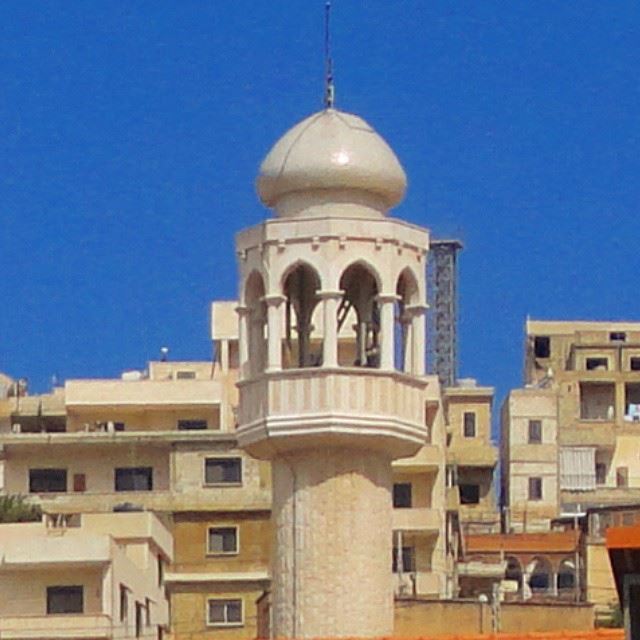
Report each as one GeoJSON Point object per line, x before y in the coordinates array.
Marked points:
{"type": "Point", "coordinates": [93, 576]}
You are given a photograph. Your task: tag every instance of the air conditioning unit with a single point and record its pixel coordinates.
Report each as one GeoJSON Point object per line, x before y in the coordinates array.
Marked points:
{"type": "Point", "coordinates": [16, 428]}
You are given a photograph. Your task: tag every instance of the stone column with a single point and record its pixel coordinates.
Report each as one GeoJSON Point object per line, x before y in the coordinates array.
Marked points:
{"type": "Point", "coordinates": [274, 331]}
{"type": "Point", "coordinates": [330, 301]}
{"type": "Point", "coordinates": [332, 518]}
{"type": "Point", "coordinates": [224, 356]}
{"type": "Point", "coordinates": [387, 330]}
{"type": "Point", "coordinates": [417, 314]}
{"type": "Point", "coordinates": [243, 340]}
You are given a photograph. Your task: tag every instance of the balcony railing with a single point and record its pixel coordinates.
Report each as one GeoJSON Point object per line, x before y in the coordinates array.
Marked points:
{"type": "Point", "coordinates": [56, 626]}
{"type": "Point", "coordinates": [417, 520]}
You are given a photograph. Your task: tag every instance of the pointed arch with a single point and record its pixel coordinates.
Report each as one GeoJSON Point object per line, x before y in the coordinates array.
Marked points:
{"type": "Point", "coordinates": [408, 294]}
{"type": "Point", "coordinates": [300, 286]}
{"type": "Point", "coordinates": [358, 316]}
{"type": "Point", "coordinates": [253, 295]}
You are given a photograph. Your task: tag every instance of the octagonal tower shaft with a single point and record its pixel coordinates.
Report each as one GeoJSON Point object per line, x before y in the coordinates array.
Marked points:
{"type": "Point", "coordinates": [332, 345]}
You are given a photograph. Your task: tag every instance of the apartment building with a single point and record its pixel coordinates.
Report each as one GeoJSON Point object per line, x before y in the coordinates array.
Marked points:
{"type": "Point", "coordinates": [84, 576]}
{"type": "Point", "coordinates": [471, 455]}
{"type": "Point", "coordinates": [160, 440]}
{"type": "Point", "coordinates": [570, 436]}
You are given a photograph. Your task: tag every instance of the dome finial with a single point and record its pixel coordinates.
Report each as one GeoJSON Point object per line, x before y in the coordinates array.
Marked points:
{"type": "Point", "coordinates": [329, 87]}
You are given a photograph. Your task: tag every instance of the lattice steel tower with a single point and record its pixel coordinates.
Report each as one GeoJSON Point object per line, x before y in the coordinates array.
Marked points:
{"type": "Point", "coordinates": [442, 317]}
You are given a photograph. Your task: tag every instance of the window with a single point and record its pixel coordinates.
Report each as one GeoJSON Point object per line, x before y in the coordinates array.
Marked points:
{"type": "Point", "coordinates": [634, 363]}
{"type": "Point", "coordinates": [223, 613]}
{"type": "Point", "coordinates": [469, 424]}
{"type": "Point", "coordinates": [134, 479]}
{"type": "Point", "coordinates": [535, 488]}
{"type": "Point", "coordinates": [138, 619]}
{"type": "Point", "coordinates": [147, 612]}
{"type": "Point", "coordinates": [622, 477]}
{"type": "Point", "coordinates": [469, 494]}
{"type": "Point", "coordinates": [118, 426]}
{"type": "Point", "coordinates": [535, 431]}
{"type": "Point", "coordinates": [185, 375]}
{"type": "Point", "coordinates": [124, 603]}
{"type": "Point", "coordinates": [408, 558]}
{"type": "Point", "coordinates": [222, 540]}
{"type": "Point", "coordinates": [542, 346]}
{"type": "Point", "coordinates": [192, 425]}
{"type": "Point", "coordinates": [65, 599]}
{"type": "Point", "coordinates": [79, 482]}
{"type": "Point", "coordinates": [597, 364]}
{"type": "Point", "coordinates": [601, 473]}
{"type": "Point", "coordinates": [617, 336]}
{"type": "Point", "coordinates": [223, 471]}
{"type": "Point", "coordinates": [160, 571]}
{"type": "Point", "coordinates": [402, 495]}
{"type": "Point", "coordinates": [47, 480]}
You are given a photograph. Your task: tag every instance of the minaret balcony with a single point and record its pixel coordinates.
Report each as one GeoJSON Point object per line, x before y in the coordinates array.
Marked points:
{"type": "Point", "coordinates": [315, 407]}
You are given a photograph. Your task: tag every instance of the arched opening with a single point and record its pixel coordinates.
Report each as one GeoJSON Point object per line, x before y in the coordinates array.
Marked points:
{"type": "Point", "coordinates": [567, 575]}
{"type": "Point", "coordinates": [407, 294]}
{"type": "Point", "coordinates": [256, 323]}
{"type": "Point", "coordinates": [302, 347]}
{"type": "Point", "coordinates": [513, 572]}
{"type": "Point", "coordinates": [358, 318]}
{"type": "Point", "coordinates": [539, 571]}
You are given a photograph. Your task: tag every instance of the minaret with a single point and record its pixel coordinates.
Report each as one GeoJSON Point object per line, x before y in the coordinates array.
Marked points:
{"type": "Point", "coordinates": [332, 346]}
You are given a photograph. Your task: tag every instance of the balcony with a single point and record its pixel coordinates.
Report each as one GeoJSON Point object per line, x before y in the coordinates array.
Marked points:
{"type": "Point", "coordinates": [56, 626]}
{"type": "Point", "coordinates": [478, 454]}
{"type": "Point", "coordinates": [588, 434]}
{"type": "Point", "coordinates": [417, 520]}
{"type": "Point", "coordinates": [225, 499]}
{"type": "Point", "coordinates": [429, 458]}
{"type": "Point", "coordinates": [136, 393]}
{"type": "Point", "coordinates": [298, 408]}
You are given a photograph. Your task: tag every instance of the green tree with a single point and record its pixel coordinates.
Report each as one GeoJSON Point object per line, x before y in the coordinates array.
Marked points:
{"type": "Point", "coordinates": [17, 509]}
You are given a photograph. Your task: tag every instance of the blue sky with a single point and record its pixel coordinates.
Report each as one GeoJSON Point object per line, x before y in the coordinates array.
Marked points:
{"type": "Point", "coordinates": [130, 135]}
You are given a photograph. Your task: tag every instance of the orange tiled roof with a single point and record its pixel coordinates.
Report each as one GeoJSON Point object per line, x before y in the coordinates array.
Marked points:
{"type": "Point", "coordinates": [623, 537]}
{"type": "Point", "coordinates": [596, 634]}
{"type": "Point", "coordinates": [549, 542]}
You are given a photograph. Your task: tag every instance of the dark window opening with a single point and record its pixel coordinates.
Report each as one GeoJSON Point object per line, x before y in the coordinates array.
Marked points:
{"type": "Point", "coordinates": [192, 425]}
{"type": "Point", "coordinates": [79, 482]}
{"type": "Point", "coordinates": [47, 480]}
{"type": "Point", "coordinates": [597, 364]}
{"type": "Point", "coordinates": [622, 477]}
{"type": "Point", "coordinates": [542, 346]}
{"type": "Point", "coordinates": [134, 479]}
{"type": "Point", "coordinates": [407, 557]}
{"type": "Point", "coordinates": [469, 424]}
{"type": "Point", "coordinates": [223, 471]}
{"type": "Point", "coordinates": [138, 619]}
{"type": "Point", "coordinates": [65, 599]}
{"type": "Point", "coordinates": [634, 364]}
{"type": "Point", "coordinates": [223, 540]}
{"type": "Point", "coordinates": [535, 488]}
{"type": "Point", "coordinates": [402, 495]}
{"type": "Point", "coordinates": [118, 426]}
{"type": "Point", "coordinates": [535, 431]}
{"type": "Point", "coordinates": [124, 603]}
{"type": "Point", "coordinates": [469, 494]}
{"type": "Point", "coordinates": [617, 336]}
{"type": "Point", "coordinates": [601, 473]}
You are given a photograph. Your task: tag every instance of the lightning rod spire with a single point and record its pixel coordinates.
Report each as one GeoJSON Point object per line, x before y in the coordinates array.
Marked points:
{"type": "Point", "coordinates": [329, 88]}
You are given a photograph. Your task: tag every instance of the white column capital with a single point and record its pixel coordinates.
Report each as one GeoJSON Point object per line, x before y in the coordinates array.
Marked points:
{"type": "Point", "coordinates": [414, 310]}
{"type": "Point", "coordinates": [329, 295]}
{"type": "Point", "coordinates": [273, 299]}
{"type": "Point", "coordinates": [387, 297]}
{"type": "Point", "coordinates": [242, 310]}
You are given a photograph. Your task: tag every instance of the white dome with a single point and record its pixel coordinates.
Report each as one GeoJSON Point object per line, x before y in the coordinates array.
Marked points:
{"type": "Point", "coordinates": [331, 150]}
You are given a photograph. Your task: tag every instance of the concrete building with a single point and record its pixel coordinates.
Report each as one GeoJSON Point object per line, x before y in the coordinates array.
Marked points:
{"type": "Point", "coordinates": [84, 576]}
{"type": "Point", "coordinates": [569, 438]}
{"type": "Point", "coordinates": [471, 456]}
{"type": "Point", "coordinates": [160, 440]}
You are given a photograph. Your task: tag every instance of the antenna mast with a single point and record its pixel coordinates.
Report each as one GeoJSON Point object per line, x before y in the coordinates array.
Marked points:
{"type": "Point", "coordinates": [329, 88]}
